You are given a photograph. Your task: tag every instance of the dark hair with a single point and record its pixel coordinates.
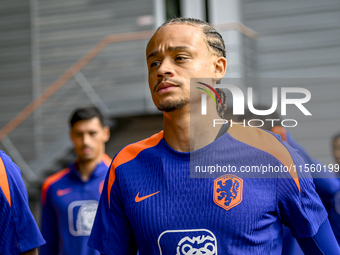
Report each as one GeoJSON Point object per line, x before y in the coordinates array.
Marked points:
{"type": "Point", "coordinates": [335, 137]}
{"type": "Point", "coordinates": [86, 114]}
{"type": "Point", "coordinates": [215, 44]}
{"type": "Point", "coordinates": [213, 38]}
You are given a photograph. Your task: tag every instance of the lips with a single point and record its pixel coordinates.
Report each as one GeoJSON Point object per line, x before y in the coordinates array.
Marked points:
{"type": "Point", "coordinates": [165, 86]}
{"type": "Point", "coordinates": [86, 150]}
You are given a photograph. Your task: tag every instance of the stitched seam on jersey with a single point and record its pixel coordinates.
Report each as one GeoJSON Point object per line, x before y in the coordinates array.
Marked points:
{"type": "Point", "coordinates": [317, 244]}
{"type": "Point", "coordinates": [298, 178]}
{"type": "Point", "coordinates": [314, 231]}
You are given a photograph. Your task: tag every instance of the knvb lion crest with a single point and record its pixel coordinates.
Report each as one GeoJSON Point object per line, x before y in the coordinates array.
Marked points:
{"type": "Point", "coordinates": [228, 191]}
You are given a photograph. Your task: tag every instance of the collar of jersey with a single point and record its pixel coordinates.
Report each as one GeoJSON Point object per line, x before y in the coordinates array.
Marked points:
{"type": "Point", "coordinates": [186, 155]}
{"type": "Point", "coordinates": [98, 171]}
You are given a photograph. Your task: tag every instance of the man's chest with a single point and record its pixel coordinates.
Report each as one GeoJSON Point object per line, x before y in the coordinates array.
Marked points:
{"type": "Point", "coordinates": [76, 205]}
{"type": "Point", "coordinates": [166, 206]}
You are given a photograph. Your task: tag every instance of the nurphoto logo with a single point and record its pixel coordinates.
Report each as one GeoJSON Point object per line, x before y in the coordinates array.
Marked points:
{"type": "Point", "coordinates": [239, 103]}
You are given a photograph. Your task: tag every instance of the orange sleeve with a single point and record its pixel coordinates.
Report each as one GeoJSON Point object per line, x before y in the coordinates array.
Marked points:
{"type": "Point", "coordinates": [129, 153]}
{"type": "Point", "coordinates": [50, 180]}
{"type": "Point", "coordinates": [4, 185]}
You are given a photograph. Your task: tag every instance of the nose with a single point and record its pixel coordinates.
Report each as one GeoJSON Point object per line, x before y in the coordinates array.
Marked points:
{"type": "Point", "coordinates": [86, 139]}
{"type": "Point", "coordinates": [165, 69]}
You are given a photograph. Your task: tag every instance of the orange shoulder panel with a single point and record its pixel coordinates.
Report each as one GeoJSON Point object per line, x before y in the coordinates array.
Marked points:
{"type": "Point", "coordinates": [4, 185]}
{"type": "Point", "coordinates": [129, 153]}
{"type": "Point", "coordinates": [107, 160]}
{"type": "Point", "coordinates": [50, 180]}
{"type": "Point", "coordinates": [265, 141]}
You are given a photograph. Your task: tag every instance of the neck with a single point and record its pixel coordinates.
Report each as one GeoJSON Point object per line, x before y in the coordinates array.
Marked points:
{"type": "Point", "coordinates": [86, 167]}
{"type": "Point", "coordinates": [185, 131]}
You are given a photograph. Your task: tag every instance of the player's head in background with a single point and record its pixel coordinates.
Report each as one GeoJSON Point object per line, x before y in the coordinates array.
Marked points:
{"type": "Point", "coordinates": [88, 133]}
{"type": "Point", "coordinates": [271, 122]}
{"type": "Point", "coordinates": [180, 49]}
{"type": "Point", "coordinates": [336, 147]}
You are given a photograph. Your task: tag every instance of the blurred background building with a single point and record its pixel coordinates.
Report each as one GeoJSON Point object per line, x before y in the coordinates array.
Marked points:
{"type": "Point", "coordinates": [59, 55]}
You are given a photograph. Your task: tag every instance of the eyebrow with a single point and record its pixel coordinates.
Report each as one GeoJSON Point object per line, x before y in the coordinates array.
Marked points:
{"type": "Point", "coordinates": [170, 48]}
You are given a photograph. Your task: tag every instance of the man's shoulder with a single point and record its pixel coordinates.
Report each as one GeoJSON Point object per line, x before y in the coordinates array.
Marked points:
{"type": "Point", "coordinates": [51, 180]}
{"type": "Point", "coordinates": [264, 141]}
{"type": "Point", "coordinates": [131, 151]}
{"type": "Point", "coordinates": [268, 143]}
{"type": "Point", "coordinates": [10, 167]}
{"type": "Point", "coordinates": [56, 177]}
{"type": "Point", "coordinates": [9, 177]}
{"type": "Point", "coordinates": [4, 157]}
{"type": "Point", "coordinates": [128, 153]}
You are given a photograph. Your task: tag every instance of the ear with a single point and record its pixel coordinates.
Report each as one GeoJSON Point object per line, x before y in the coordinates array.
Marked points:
{"type": "Point", "coordinates": [220, 68]}
{"type": "Point", "coordinates": [106, 133]}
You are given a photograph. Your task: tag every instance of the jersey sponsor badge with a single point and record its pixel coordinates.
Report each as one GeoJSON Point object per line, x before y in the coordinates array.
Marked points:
{"type": "Point", "coordinates": [81, 216]}
{"type": "Point", "coordinates": [187, 242]}
{"type": "Point", "coordinates": [228, 191]}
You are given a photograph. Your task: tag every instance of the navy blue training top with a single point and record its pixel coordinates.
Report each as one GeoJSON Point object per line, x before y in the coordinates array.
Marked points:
{"type": "Point", "coordinates": [151, 202]}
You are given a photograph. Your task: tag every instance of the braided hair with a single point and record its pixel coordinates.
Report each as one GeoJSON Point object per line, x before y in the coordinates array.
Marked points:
{"type": "Point", "coordinates": [213, 38]}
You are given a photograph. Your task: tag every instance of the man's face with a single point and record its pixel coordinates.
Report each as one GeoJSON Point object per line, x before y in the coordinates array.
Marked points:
{"type": "Point", "coordinates": [175, 54]}
{"type": "Point", "coordinates": [336, 150]}
{"type": "Point", "coordinates": [89, 137]}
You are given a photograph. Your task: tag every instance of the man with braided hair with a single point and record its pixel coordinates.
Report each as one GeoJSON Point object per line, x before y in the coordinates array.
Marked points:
{"type": "Point", "coordinates": [150, 201]}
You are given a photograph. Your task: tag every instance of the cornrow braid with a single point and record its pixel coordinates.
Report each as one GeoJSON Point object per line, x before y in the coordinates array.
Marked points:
{"type": "Point", "coordinates": [221, 108]}
{"type": "Point", "coordinates": [213, 38]}
{"type": "Point", "coordinates": [216, 41]}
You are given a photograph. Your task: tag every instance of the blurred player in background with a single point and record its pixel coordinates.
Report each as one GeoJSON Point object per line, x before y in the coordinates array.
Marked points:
{"type": "Point", "coordinates": [149, 200]}
{"type": "Point", "coordinates": [19, 233]}
{"type": "Point", "coordinates": [334, 211]}
{"type": "Point", "coordinates": [326, 183]}
{"type": "Point", "coordinates": [70, 197]}
{"type": "Point", "coordinates": [336, 148]}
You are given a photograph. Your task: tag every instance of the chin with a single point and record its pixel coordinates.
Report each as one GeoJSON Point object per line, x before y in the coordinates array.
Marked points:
{"type": "Point", "coordinates": [172, 105]}
{"type": "Point", "coordinates": [85, 158]}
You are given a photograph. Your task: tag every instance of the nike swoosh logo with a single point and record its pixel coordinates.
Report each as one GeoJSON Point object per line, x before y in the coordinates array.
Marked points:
{"type": "Point", "coordinates": [138, 199]}
{"type": "Point", "coordinates": [62, 192]}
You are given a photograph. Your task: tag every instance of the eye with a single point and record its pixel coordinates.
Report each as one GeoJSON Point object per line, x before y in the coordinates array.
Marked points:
{"type": "Point", "coordinates": [180, 58]}
{"type": "Point", "coordinates": [93, 133]}
{"type": "Point", "coordinates": [154, 64]}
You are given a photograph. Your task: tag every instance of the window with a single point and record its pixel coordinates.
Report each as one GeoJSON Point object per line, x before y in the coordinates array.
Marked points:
{"type": "Point", "coordinates": [173, 9]}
